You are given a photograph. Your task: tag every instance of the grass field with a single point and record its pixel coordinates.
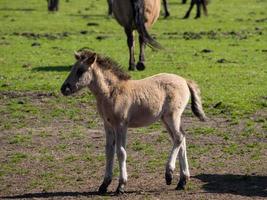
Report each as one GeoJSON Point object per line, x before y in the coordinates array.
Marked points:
{"type": "Point", "coordinates": [53, 146]}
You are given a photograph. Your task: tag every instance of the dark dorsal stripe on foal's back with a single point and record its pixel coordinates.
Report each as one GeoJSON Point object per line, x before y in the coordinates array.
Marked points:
{"type": "Point", "coordinates": [106, 63]}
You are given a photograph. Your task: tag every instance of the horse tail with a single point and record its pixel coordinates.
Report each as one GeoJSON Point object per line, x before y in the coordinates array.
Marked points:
{"type": "Point", "coordinates": [196, 104]}
{"type": "Point", "coordinates": [205, 3]}
{"type": "Point", "coordinates": [139, 20]}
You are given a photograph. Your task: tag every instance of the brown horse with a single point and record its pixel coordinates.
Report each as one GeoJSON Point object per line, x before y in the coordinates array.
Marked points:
{"type": "Point", "coordinates": [199, 3]}
{"type": "Point", "coordinates": [123, 102]}
{"type": "Point", "coordinates": [139, 15]}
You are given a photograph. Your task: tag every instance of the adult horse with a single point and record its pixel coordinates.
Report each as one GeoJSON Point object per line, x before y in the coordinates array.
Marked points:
{"type": "Point", "coordinates": [137, 15]}
{"type": "Point", "coordinates": [123, 102]}
{"type": "Point", "coordinates": [199, 3]}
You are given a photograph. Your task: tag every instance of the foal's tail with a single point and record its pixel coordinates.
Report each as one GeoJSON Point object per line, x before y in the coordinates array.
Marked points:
{"type": "Point", "coordinates": [196, 104]}
{"type": "Point", "coordinates": [139, 20]}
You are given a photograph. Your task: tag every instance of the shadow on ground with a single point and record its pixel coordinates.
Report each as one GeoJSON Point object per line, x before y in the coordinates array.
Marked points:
{"type": "Point", "coordinates": [244, 185]}
{"type": "Point", "coordinates": [50, 194]}
{"type": "Point", "coordinates": [95, 16]}
{"type": "Point", "coordinates": [17, 9]}
{"type": "Point", "coordinates": [52, 69]}
{"type": "Point", "coordinates": [67, 194]}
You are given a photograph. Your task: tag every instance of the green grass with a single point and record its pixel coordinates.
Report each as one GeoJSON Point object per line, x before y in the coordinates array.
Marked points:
{"type": "Point", "coordinates": [239, 83]}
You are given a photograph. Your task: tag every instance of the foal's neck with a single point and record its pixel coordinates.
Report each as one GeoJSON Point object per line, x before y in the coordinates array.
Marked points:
{"type": "Point", "coordinates": [103, 83]}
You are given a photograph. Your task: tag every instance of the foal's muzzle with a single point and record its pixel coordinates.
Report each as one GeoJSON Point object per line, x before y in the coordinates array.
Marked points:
{"type": "Point", "coordinates": [66, 89]}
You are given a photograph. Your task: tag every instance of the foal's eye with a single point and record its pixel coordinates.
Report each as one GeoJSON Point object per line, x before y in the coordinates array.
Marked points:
{"type": "Point", "coordinates": [80, 72]}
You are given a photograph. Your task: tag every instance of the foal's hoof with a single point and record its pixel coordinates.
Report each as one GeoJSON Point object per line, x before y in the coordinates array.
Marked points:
{"type": "Point", "coordinates": [181, 184]}
{"type": "Point", "coordinates": [168, 178]}
{"type": "Point", "coordinates": [102, 189]}
{"type": "Point", "coordinates": [140, 66]}
{"type": "Point", "coordinates": [120, 191]}
{"type": "Point", "coordinates": [198, 16]}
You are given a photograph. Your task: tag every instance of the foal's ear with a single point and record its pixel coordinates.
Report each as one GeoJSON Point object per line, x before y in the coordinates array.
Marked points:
{"type": "Point", "coordinates": [77, 55]}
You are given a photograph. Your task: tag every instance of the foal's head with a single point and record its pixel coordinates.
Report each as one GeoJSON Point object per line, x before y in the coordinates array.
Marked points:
{"type": "Point", "coordinates": [81, 73]}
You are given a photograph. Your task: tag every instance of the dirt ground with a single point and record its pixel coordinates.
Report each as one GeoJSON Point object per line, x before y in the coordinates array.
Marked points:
{"type": "Point", "coordinates": [60, 159]}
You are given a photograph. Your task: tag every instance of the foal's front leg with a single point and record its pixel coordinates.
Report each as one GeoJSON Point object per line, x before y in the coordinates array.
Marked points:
{"type": "Point", "coordinates": [110, 152]}
{"type": "Point", "coordinates": [120, 136]}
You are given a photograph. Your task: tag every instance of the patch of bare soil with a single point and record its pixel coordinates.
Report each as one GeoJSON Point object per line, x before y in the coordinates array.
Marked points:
{"type": "Point", "coordinates": [15, 94]}
{"type": "Point", "coordinates": [214, 34]}
{"type": "Point", "coordinates": [63, 159]}
{"type": "Point", "coordinates": [49, 36]}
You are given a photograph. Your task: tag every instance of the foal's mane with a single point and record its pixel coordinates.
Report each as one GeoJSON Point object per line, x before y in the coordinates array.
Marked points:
{"type": "Point", "coordinates": [106, 63]}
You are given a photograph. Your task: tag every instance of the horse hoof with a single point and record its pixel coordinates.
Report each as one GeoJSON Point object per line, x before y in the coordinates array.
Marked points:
{"type": "Point", "coordinates": [131, 68]}
{"type": "Point", "coordinates": [102, 189]}
{"type": "Point", "coordinates": [140, 66]}
{"type": "Point", "coordinates": [167, 15]}
{"type": "Point", "coordinates": [168, 178]}
{"type": "Point", "coordinates": [120, 191]}
{"type": "Point", "coordinates": [196, 17]}
{"type": "Point", "coordinates": [181, 184]}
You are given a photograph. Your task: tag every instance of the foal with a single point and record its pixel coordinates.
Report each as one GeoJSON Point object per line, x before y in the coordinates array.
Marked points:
{"type": "Point", "coordinates": [139, 15]}
{"type": "Point", "coordinates": [123, 102]}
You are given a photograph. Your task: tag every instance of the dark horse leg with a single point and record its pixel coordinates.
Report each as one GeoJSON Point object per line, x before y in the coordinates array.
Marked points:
{"type": "Point", "coordinates": [183, 1]}
{"type": "Point", "coordinates": [141, 63]}
{"type": "Point", "coordinates": [190, 8]}
{"type": "Point", "coordinates": [130, 42]}
{"type": "Point", "coordinates": [165, 6]}
{"type": "Point", "coordinates": [53, 5]}
{"type": "Point", "coordinates": [198, 9]}
{"type": "Point", "coordinates": [109, 7]}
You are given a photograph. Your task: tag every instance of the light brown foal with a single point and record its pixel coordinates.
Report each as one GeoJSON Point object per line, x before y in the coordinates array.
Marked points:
{"type": "Point", "coordinates": [123, 102]}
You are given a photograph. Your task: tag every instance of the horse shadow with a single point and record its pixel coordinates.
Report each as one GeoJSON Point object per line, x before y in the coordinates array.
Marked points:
{"type": "Point", "coordinates": [50, 195]}
{"type": "Point", "coordinates": [244, 185]}
{"type": "Point", "coordinates": [64, 195]}
{"type": "Point", "coordinates": [52, 69]}
{"type": "Point", "coordinates": [18, 9]}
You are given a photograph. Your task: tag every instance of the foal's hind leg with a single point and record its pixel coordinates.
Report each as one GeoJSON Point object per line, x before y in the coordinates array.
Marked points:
{"type": "Point", "coordinates": [184, 168]}
{"type": "Point", "coordinates": [172, 123]}
{"type": "Point", "coordinates": [110, 152]}
{"type": "Point", "coordinates": [130, 42]}
{"type": "Point", "coordinates": [141, 63]}
{"type": "Point", "coordinates": [120, 136]}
